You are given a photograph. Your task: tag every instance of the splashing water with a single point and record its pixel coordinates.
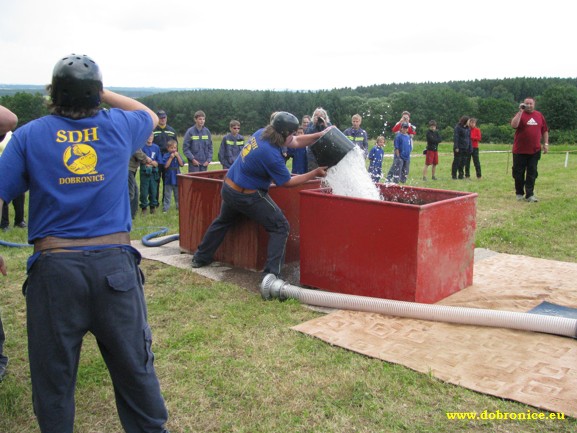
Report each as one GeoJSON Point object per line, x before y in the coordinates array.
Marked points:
{"type": "Point", "coordinates": [350, 177]}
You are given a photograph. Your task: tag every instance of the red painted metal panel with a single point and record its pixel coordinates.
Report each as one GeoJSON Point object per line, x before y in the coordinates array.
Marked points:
{"type": "Point", "coordinates": [245, 245]}
{"type": "Point", "coordinates": [416, 245]}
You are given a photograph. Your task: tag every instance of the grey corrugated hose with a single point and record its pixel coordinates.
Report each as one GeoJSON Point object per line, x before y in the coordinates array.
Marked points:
{"type": "Point", "coordinates": [275, 288]}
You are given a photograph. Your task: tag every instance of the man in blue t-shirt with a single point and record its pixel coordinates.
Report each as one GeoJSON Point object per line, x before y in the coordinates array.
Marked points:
{"type": "Point", "coordinates": [245, 190]}
{"type": "Point", "coordinates": [83, 276]}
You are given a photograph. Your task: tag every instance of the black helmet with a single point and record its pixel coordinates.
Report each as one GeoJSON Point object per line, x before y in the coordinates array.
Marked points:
{"type": "Point", "coordinates": [76, 82]}
{"type": "Point", "coordinates": [285, 123]}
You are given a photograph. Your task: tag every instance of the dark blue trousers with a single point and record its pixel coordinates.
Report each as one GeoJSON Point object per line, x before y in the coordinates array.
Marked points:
{"type": "Point", "coordinates": [459, 163]}
{"type": "Point", "coordinates": [70, 294]}
{"type": "Point", "coordinates": [259, 207]}
{"type": "Point", "coordinates": [476, 162]}
{"type": "Point", "coordinates": [18, 204]}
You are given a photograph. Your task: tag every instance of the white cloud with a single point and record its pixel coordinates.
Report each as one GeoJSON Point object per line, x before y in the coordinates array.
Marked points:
{"type": "Point", "coordinates": [291, 45]}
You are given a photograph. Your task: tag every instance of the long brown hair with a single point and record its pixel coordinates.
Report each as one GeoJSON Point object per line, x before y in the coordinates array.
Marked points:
{"type": "Point", "coordinates": [270, 134]}
{"type": "Point", "coordinates": [70, 112]}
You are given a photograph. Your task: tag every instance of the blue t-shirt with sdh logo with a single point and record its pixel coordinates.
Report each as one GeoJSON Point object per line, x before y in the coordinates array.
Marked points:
{"type": "Point", "coordinates": [76, 172]}
{"type": "Point", "coordinates": [259, 163]}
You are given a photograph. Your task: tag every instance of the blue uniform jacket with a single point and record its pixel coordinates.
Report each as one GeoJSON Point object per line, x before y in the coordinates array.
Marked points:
{"type": "Point", "coordinates": [358, 137]}
{"type": "Point", "coordinates": [230, 148]}
{"type": "Point", "coordinates": [197, 145]}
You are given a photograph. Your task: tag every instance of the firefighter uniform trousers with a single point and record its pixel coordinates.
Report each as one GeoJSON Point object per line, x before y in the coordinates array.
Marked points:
{"type": "Point", "coordinates": [69, 294]}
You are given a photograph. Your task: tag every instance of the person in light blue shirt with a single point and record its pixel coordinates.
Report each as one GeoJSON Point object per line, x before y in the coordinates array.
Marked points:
{"type": "Point", "coordinates": [402, 159]}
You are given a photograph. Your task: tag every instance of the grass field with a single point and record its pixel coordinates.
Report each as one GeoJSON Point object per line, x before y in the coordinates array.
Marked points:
{"type": "Point", "coordinates": [228, 361]}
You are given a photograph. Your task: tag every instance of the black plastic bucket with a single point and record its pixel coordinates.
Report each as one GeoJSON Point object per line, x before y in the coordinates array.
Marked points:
{"type": "Point", "coordinates": [331, 147]}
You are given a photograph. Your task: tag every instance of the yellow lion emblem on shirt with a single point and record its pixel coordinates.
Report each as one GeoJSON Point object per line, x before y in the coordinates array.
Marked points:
{"type": "Point", "coordinates": [252, 144]}
{"type": "Point", "coordinates": [80, 159]}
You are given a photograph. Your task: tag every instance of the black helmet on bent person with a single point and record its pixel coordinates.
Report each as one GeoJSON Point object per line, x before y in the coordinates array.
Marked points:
{"type": "Point", "coordinates": [285, 123]}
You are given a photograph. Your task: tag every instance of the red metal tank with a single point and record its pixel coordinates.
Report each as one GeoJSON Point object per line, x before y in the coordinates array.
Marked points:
{"type": "Point", "coordinates": [415, 245]}
{"type": "Point", "coordinates": [245, 245]}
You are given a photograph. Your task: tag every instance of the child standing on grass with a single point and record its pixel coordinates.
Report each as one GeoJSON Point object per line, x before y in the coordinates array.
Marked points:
{"type": "Point", "coordinates": [299, 156]}
{"type": "Point", "coordinates": [231, 145]}
{"type": "Point", "coordinates": [172, 163]}
{"type": "Point", "coordinates": [431, 152]}
{"type": "Point", "coordinates": [376, 159]}
{"type": "Point", "coordinates": [402, 160]}
{"type": "Point", "coordinates": [357, 134]}
{"type": "Point", "coordinates": [475, 138]}
{"type": "Point", "coordinates": [149, 177]}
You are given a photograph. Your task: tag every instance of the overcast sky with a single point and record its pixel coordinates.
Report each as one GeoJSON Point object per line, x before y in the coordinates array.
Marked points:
{"type": "Point", "coordinates": [291, 44]}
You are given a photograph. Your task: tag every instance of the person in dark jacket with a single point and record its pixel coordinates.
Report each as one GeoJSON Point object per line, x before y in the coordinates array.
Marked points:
{"type": "Point", "coordinates": [197, 144]}
{"type": "Point", "coordinates": [231, 145]}
{"type": "Point", "coordinates": [461, 147]}
{"type": "Point", "coordinates": [162, 134]}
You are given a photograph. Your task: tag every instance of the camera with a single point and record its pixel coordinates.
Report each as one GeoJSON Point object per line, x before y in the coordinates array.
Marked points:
{"type": "Point", "coordinates": [522, 106]}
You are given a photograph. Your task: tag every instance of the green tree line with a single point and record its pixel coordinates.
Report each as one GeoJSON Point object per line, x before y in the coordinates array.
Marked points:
{"type": "Point", "coordinates": [492, 102]}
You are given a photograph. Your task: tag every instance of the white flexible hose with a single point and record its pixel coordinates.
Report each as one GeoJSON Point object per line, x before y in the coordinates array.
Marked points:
{"type": "Point", "coordinates": [272, 287]}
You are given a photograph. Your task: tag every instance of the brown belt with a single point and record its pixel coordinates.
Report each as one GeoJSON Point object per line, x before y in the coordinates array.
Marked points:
{"type": "Point", "coordinates": [54, 243]}
{"type": "Point", "coordinates": [240, 189]}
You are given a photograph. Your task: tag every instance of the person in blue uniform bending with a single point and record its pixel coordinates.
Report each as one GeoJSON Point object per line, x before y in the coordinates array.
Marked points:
{"type": "Point", "coordinates": [245, 190]}
{"type": "Point", "coordinates": [231, 145]}
{"type": "Point", "coordinates": [83, 275]}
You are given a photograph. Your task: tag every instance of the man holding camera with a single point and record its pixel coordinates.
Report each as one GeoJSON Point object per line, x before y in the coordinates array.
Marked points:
{"type": "Point", "coordinates": [530, 127]}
